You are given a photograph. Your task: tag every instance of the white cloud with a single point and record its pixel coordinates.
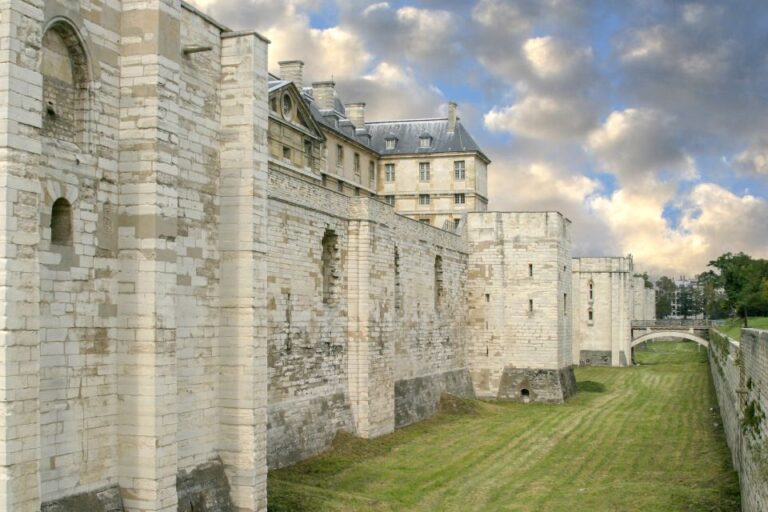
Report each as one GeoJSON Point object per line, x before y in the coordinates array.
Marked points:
{"type": "Point", "coordinates": [543, 117]}
{"type": "Point", "coordinates": [638, 144]}
{"type": "Point", "coordinates": [329, 52]}
{"type": "Point", "coordinates": [554, 59]}
{"type": "Point", "coordinates": [713, 221]}
{"type": "Point", "coordinates": [393, 92]}
{"type": "Point", "coordinates": [754, 159]}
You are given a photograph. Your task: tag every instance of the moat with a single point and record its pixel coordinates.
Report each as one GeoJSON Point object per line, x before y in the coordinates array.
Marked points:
{"type": "Point", "coordinates": [643, 438]}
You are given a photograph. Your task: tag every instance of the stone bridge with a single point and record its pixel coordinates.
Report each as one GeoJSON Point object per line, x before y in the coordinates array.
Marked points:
{"type": "Point", "coordinates": [693, 330]}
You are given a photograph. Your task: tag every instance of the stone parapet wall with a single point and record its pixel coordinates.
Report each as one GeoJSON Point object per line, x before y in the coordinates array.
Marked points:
{"type": "Point", "coordinates": [740, 375]}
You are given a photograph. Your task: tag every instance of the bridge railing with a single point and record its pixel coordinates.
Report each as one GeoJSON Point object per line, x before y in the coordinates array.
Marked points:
{"type": "Point", "coordinates": [673, 322]}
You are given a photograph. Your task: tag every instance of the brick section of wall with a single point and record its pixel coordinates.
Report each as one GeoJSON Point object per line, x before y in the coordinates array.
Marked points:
{"type": "Point", "coordinates": [740, 375]}
{"type": "Point", "coordinates": [519, 300]}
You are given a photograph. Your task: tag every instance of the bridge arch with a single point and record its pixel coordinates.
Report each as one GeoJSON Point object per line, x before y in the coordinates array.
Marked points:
{"type": "Point", "coordinates": [670, 334]}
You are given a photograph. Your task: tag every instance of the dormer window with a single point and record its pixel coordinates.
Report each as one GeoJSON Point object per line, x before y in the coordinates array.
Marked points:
{"type": "Point", "coordinates": [391, 143]}
{"type": "Point", "coordinates": [425, 142]}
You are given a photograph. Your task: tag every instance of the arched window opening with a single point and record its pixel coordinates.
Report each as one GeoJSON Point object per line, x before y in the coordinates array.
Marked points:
{"type": "Point", "coordinates": [61, 222]}
{"type": "Point", "coordinates": [398, 296]}
{"type": "Point", "coordinates": [525, 395]}
{"type": "Point", "coordinates": [330, 266]}
{"type": "Point", "coordinates": [438, 281]}
{"type": "Point", "coordinates": [64, 67]}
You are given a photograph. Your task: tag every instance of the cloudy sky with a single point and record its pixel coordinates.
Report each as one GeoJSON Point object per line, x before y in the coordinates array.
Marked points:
{"type": "Point", "coordinates": [644, 121]}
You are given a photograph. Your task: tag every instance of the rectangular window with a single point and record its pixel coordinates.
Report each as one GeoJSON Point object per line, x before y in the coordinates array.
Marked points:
{"type": "Point", "coordinates": [424, 221]}
{"type": "Point", "coordinates": [458, 170]}
{"type": "Point", "coordinates": [356, 163]}
{"type": "Point", "coordinates": [390, 143]}
{"type": "Point", "coordinates": [530, 305]}
{"type": "Point", "coordinates": [339, 155]}
{"type": "Point", "coordinates": [456, 223]}
{"type": "Point", "coordinates": [286, 152]}
{"type": "Point", "coordinates": [565, 304]}
{"type": "Point", "coordinates": [459, 198]}
{"type": "Point", "coordinates": [424, 171]}
{"type": "Point", "coordinates": [425, 142]}
{"type": "Point", "coordinates": [389, 172]}
{"type": "Point", "coordinates": [371, 174]}
{"type": "Point", "coordinates": [390, 200]}
{"type": "Point", "coordinates": [357, 191]}
{"type": "Point", "coordinates": [530, 270]}
{"type": "Point", "coordinates": [341, 186]}
{"type": "Point", "coordinates": [591, 315]}
{"type": "Point", "coordinates": [423, 199]}
{"type": "Point", "coordinates": [325, 180]}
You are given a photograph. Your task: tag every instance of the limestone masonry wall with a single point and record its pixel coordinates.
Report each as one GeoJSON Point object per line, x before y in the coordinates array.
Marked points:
{"type": "Point", "coordinates": [519, 310]}
{"type": "Point", "coordinates": [346, 364]}
{"type": "Point", "coordinates": [183, 309]}
{"type": "Point", "coordinates": [740, 375]}
{"type": "Point", "coordinates": [603, 309]}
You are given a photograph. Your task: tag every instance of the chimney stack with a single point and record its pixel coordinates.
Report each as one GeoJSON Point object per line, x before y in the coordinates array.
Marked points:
{"type": "Point", "coordinates": [292, 71]}
{"type": "Point", "coordinates": [452, 116]}
{"type": "Point", "coordinates": [356, 114]}
{"type": "Point", "coordinates": [324, 94]}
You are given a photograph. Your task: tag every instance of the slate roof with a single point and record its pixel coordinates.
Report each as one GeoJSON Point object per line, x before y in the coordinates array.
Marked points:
{"type": "Point", "coordinates": [409, 134]}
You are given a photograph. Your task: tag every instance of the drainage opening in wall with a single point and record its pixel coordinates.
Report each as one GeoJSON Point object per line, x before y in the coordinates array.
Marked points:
{"type": "Point", "coordinates": [526, 395]}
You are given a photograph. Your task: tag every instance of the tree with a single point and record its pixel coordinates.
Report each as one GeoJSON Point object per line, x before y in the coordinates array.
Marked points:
{"type": "Point", "coordinates": [686, 301]}
{"type": "Point", "coordinates": [743, 280]}
{"type": "Point", "coordinates": [665, 292]}
{"type": "Point", "coordinates": [712, 295]}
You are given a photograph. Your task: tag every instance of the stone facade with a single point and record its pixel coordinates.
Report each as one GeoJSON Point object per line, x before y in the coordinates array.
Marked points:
{"type": "Point", "coordinates": [519, 305]}
{"type": "Point", "coordinates": [607, 297]}
{"type": "Point", "coordinates": [203, 278]}
{"type": "Point", "coordinates": [740, 376]}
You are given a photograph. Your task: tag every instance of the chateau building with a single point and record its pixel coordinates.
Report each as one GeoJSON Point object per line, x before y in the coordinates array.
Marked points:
{"type": "Point", "coordinates": [207, 271]}
{"type": "Point", "coordinates": [430, 170]}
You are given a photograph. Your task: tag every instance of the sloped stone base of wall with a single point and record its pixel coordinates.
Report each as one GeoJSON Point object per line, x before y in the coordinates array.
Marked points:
{"type": "Point", "coordinates": [204, 489]}
{"type": "Point", "coordinates": [595, 358]}
{"type": "Point", "coordinates": [299, 429]}
{"type": "Point", "coordinates": [533, 385]}
{"type": "Point", "coordinates": [419, 398]}
{"type": "Point", "coordinates": [104, 500]}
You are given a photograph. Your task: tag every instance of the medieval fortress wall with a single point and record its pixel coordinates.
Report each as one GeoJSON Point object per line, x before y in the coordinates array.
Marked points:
{"type": "Point", "coordinates": [607, 297]}
{"type": "Point", "coordinates": [191, 295]}
{"type": "Point", "coordinates": [740, 375]}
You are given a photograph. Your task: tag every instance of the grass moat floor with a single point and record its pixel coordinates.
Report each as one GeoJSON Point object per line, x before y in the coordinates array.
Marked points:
{"type": "Point", "coordinates": [647, 438]}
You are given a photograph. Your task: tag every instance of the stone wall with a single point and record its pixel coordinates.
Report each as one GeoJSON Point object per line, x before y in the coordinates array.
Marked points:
{"type": "Point", "coordinates": [740, 375]}
{"type": "Point", "coordinates": [604, 300]}
{"type": "Point", "coordinates": [135, 356]}
{"type": "Point", "coordinates": [393, 336]}
{"type": "Point", "coordinates": [519, 304]}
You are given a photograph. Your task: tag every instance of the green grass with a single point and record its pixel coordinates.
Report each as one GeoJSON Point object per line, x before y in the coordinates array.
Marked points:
{"type": "Point", "coordinates": [632, 439]}
{"type": "Point", "coordinates": [732, 327]}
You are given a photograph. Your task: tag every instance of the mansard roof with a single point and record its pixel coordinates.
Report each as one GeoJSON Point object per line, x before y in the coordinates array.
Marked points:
{"type": "Point", "coordinates": [409, 133]}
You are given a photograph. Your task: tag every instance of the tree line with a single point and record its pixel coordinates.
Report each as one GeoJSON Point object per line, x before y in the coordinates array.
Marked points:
{"type": "Point", "coordinates": [735, 286]}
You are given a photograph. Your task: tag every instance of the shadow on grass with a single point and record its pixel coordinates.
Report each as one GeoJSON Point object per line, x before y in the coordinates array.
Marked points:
{"type": "Point", "coordinates": [590, 386]}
